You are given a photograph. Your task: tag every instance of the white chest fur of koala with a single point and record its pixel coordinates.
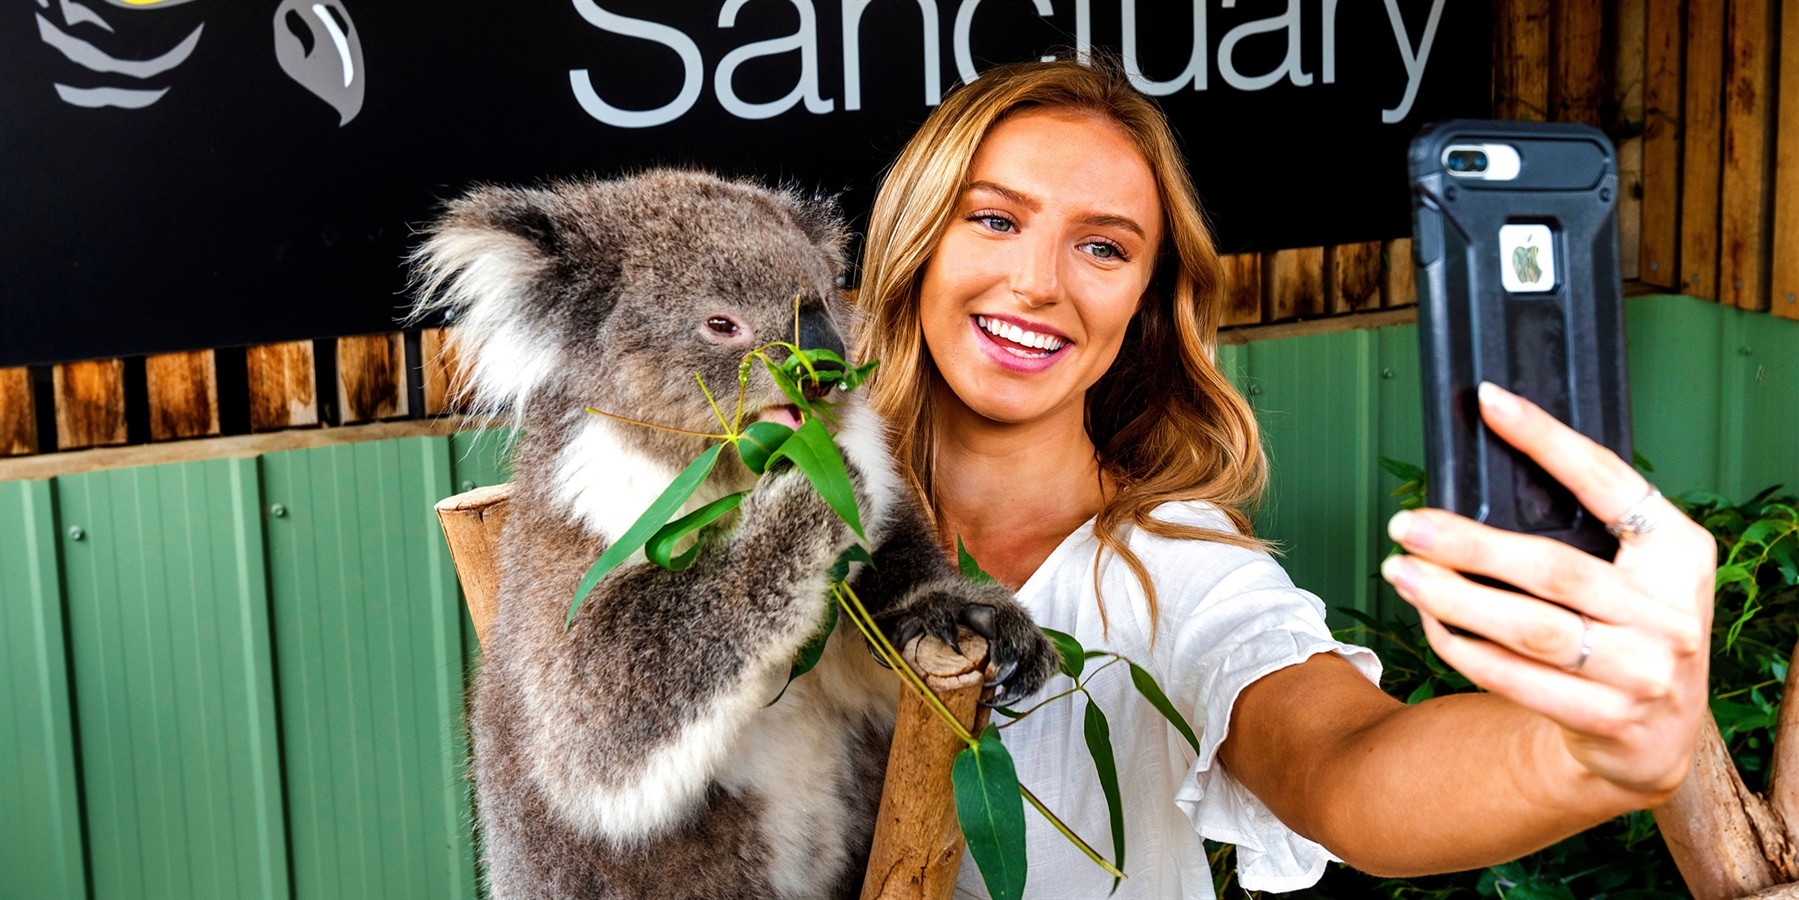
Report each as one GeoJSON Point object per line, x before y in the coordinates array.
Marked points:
{"type": "Point", "coordinates": [634, 754]}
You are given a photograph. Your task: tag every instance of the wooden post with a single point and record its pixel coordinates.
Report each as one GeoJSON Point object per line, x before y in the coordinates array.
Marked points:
{"type": "Point", "coordinates": [1746, 200]}
{"type": "Point", "coordinates": [1398, 274]}
{"type": "Point", "coordinates": [471, 522]}
{"type": "Point", "coordinates": [1352, 276]}
{"type": "Point", "coordinates": [1292, 284]}
{"type": "Point", "coordinates": [917, 850]}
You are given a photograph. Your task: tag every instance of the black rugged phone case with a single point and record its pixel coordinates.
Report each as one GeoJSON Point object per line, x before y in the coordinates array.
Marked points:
{"type": "Point", "coordinates": [1562, 348]}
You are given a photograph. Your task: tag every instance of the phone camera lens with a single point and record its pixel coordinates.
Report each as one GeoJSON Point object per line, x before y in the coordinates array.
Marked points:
{"type": "Point", "coordinates": [1467, 161]}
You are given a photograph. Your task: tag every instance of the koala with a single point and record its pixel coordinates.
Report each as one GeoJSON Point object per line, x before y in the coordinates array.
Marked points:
{"type": "Point", "coordinates": [635, 753]}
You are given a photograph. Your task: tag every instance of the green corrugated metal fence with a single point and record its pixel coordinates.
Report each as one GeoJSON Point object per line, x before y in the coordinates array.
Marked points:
{"type": "Point", "coordinates": [245, 677]}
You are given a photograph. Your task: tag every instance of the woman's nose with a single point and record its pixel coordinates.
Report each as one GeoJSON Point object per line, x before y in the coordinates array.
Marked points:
{"type": "Point", "coordinates": [1036, 280]}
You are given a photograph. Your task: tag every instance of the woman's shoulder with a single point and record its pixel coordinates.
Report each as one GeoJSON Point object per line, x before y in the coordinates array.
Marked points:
{"type": "Point", "coordinates": [1190, 571]}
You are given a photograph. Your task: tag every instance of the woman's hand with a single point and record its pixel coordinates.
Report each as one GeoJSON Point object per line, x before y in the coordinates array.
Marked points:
{"type": "Point", "coordinates": [1618, 658]}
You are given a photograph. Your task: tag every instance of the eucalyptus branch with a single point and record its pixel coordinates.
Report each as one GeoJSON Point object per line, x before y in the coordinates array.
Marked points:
{"type": "Point", "coordinates": [714, 403]}
{"type": "Point", "coordinates": [668, 428]}
{"type": "Point", "coordinates": [846, 598]}
{"type": "Point", "coordinates": [1068, 833]}
{"type": "Point", "coordinates": [1079, 687]}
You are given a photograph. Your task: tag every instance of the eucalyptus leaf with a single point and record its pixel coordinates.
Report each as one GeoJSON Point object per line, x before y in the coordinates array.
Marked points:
{"type": "Point", "coordinates": [991, 812]}
{"type": "Point", "coordinates": [1146, 685]}
{"type": "Point", "coordinates": [1074, 658]}
{"type": "Point", "coordinates": [812, 452]}
{"type": "Point", "coordinates": [789, 386]}
{"type": "Point", "coordinates": [661, 545]}
{"type": "Point", "coordinates": [1404, 471]}
{"type": "Point", "coordinates": [1099, 746]}
{"type": "Point", "coordinates": [853, 554]}
{"type": "Point", "coordinates": [1422, 693]}
{"type": "Point", "coordinates": [646, 526]}
{"type": "Point", "coordinates": [971, 570]}
{"type": "Point", "coordinates": [759, 441]}
{"type": "Point", "coordinates": [811, 651]}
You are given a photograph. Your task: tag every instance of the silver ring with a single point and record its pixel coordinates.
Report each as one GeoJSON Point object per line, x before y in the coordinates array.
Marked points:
{"type": "Point", "coordinates": [1586, 643]}
{"type": "Point", "coordinates": [1636, 521]}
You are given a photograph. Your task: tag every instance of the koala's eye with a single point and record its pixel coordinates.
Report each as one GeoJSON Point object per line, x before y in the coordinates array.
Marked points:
{"type": "Point", "coordinates": [723, 326]}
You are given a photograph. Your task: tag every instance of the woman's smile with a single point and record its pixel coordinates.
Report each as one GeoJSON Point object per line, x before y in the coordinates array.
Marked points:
{"type": "Point", "coordinates": [1020, 346]}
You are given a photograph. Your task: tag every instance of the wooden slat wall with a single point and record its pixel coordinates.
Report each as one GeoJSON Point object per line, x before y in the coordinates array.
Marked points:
{"type": "Point", "coordinates": [1521, 59]}
{"type": "Point", "coordinates": [184, 395]}
{"type": "Point", "coordinates": [1785, 294]}
{"type": "Point", "coordinates": [283, 390]}
{"type": "Point", "coordinates": [90, 404]}
{"type": "Point", "coordinates": [1399, 274]}
{"type": "Point", "coordinates": [371, 378]}
{"type": "Point", "coordinates": [1628, 23]}
{"type": "Point", "coordinates": [18, 413]}
{"type": "Point", "coordinates": [1701, 165]}
{"type": "Point", "coordinates": [1747, 193]}
{"type": "Point", "coordinates": [1662, 70]}
{"type": "Point", "coordinates": [1352, 277]}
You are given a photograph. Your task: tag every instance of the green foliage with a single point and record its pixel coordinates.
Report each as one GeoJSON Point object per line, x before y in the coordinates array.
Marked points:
{"type": "Point", "coordinates": [646, 526]}
{"type": "Point", "coordinates": [1099, 745]}
{"type": "Point", "coordinates": [1755, 626]}
{"type": "Point", "coordinates": [991, 812]}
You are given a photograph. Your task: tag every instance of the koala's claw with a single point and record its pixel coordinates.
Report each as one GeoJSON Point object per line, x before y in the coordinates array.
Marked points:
{"type": "Point", "coordinates": [1006, 669]}
{"type": "Point", "coordinates": [1021, 657]}
{"type": "Point", "coordinates": [872, 651]}
{"type": "Point", "coordinates": [979, 619]}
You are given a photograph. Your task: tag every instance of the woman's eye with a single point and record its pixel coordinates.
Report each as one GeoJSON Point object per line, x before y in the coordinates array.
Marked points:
{"type": "Point", "coordinates": [1000, 224]}
{"type": "Point", "coordinates": [1104, 250]}
{"type": "Point", "coordinates": [722, 326]}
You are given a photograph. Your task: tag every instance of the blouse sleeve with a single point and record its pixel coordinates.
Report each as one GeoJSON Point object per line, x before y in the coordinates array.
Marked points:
{"type": "Point", "coordinates": [1251, 622]}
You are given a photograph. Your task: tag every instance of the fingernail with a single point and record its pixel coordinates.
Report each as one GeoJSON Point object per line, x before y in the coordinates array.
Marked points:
{"type": "Point", "coordinates": [1402, 573]}
{"type": "Point", "coordinates": [1411, 529]}
{"type": "Point", "coordinates": [1498, 400]}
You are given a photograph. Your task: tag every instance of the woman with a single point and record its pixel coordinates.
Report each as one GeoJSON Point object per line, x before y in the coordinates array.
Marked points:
{"type": "Point", "coordinates": [1043, 294]}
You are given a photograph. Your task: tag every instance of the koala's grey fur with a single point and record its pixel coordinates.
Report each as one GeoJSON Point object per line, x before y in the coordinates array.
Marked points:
{"type": "Point", "coordinates": [634, 754]}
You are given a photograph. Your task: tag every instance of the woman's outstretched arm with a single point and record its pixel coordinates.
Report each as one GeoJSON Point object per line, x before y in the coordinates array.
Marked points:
{"type": "Point", "coordinates": [1476, 779]}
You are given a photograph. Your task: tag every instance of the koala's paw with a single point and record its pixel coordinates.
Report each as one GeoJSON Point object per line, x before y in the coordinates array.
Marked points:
{"type": "Point", "coordinates": [1018, 654]}
{"type": "Point", "coordinates": [786, 511]}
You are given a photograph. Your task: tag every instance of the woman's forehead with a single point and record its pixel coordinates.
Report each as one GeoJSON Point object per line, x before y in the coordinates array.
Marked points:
{"type": "Point", "coordinates": [1067, 157]}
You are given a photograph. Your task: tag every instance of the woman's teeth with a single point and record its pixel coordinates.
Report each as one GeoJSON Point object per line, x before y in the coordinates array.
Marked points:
{"type": "Point", "coordinates": [1018, 335]}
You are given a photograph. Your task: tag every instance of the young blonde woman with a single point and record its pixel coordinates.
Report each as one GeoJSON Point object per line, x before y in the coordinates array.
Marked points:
{"type": "Point", "coordinates": [1042, 292]}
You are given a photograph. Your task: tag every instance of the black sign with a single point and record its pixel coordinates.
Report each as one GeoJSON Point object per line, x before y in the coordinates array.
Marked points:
{"type": "Point", "coordinates": [178, 175]}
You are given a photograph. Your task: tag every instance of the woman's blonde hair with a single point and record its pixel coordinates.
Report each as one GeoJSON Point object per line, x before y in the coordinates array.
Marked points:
{"type": "Point", "coordinates": [1167, 425]}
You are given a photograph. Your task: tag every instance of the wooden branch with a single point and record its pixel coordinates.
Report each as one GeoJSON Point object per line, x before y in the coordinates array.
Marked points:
{"type": "Point", "coordinates": [1728, 841]}
{"type": "Point", "coordinates": [471, 522]}
{"type": "Point", "coordinates": [917, 850]}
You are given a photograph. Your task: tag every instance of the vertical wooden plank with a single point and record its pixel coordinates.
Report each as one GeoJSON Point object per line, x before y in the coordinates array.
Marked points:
{"type": "Point", "coordinates": [1242, 289]}
{"type": "Point", "coordinates": [1399, 274]}
{"type": "Point", "coordinates": [1743, 252]}
{"type": "Point", "coordinates": [18, 413]}
{"type": "Point", "coordinates": [445, 378]}
{"type": "Point", "coordinates": [282, 386]}
{"type": "Point", "coordinates": [90, 404]}
{"type": "Point", "coordinates": [1521, 59]}
{"type": "Point", "coordinates": [1353, 277]}
{"type": "Point", "coordinates": [1630, 40]}
{"type": "Point", "coordinates": [41, 850]}
{"type": "Point", "coordinates": [1664, 31]}
{"type": "Point", "coordinates": [184, 395]}
{"type": "Point", "coordinates": [1785, 278]}
{"type": "Point", "coordinates": [1702, 166]}
{"type": "Point", "coordinates": [371, 377]}
{"type": "Point", "coordinates": [1292, 283]}
{"type": "Point", "coordinates": [1577, 81]}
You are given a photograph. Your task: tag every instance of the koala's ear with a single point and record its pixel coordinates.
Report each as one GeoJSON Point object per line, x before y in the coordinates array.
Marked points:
{"type": "Point", "coordinates": [483, 261]}
{"type": "Point", "coordinates": [822, 221]}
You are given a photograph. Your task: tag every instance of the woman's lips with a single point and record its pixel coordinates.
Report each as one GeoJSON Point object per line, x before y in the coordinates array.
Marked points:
{"type": "Point", "coordinates": [1013, 355]}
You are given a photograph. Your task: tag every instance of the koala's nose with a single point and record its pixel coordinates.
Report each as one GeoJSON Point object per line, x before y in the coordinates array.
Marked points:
{"type": "Point", "coordinates": [817, 332]}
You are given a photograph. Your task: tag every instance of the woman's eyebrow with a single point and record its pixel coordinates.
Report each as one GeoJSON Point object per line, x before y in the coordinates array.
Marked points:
{"type": "Point", "coordinates": [1024, 200]}
{"type": "Point", "coordinates": [1106, 220]}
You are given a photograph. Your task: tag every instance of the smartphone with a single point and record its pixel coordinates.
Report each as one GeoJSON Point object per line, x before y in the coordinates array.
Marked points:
{"type": "Point", "coordinates": [1515, 235]}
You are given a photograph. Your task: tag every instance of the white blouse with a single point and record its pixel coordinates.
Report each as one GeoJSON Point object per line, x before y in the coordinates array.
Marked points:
{"type": "Point", "coordinates": [1227, 616]}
